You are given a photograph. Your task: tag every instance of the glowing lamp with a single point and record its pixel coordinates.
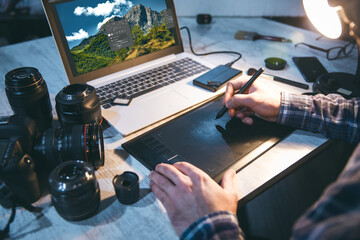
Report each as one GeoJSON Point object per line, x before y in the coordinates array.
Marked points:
{"type": "Point", "coordinates": [328, 21]}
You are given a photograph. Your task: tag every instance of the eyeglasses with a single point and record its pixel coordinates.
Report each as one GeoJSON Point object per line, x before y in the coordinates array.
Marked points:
{"type": "Point", "coordinates": [335, 52]}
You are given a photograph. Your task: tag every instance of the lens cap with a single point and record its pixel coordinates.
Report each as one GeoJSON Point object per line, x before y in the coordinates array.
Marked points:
{"type": "Point", "coordinates": [127, 187]}
{"type": "Point", "coordinates": [22, 78]}
{"type": "Point", "coordinates": [275, 63]}
{"type": "Point", "coordinates": [28, 95]}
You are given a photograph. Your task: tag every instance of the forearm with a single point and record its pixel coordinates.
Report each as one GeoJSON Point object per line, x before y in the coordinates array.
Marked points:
{"type": "Point", "coordinates": [332, 115]}
{"type": "Point", "coordinates": [218, 225]}
{"type": "Point", "coordinates": [336, 215]}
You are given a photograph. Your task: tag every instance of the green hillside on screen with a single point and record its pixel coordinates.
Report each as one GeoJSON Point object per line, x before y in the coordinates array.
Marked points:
{"type": "Point", "coordinates": [95, 53]}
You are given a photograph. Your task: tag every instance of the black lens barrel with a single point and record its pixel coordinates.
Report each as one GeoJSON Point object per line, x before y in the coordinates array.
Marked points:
{"type": "Point", "coordinates": [28, 95]}
{"type": "Point", "coordinates": [78, 104]}
{"type": "Point", "coordinates": [78, 142]}
{"type": "Point", "coordinates": [74, 190]}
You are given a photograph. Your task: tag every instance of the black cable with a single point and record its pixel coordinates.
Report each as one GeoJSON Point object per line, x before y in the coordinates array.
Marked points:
{"type": "Point", "coordinates": [17, 201]}
{"type": "Point", "coordinates": [217, 52]}
{"type": "Point", "coordinates": [4, 233]}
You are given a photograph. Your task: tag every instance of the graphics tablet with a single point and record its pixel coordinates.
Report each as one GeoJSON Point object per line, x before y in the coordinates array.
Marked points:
{"type": "Point", "coordinates": [211, 145]}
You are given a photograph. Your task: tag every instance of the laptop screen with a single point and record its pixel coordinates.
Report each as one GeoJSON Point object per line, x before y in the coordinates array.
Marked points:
{"type": "Point", "coordinates": [99, 37]}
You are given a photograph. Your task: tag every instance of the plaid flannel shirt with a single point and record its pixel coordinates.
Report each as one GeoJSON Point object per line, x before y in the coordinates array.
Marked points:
{"type": "Point", "coordinates": [336, 215]}
{"type": "Point", "coordinates": [331, 115]}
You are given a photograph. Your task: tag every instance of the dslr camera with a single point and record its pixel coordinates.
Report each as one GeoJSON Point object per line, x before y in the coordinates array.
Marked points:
{"type": "Point", "coordinates": [25, 151]}
{"type": "Point", "coordinates": [17, 168]}
{"type": "Point", "coordinates": [30, 147]}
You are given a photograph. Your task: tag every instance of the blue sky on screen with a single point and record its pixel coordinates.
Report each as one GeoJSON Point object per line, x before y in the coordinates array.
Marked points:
{"type": "Point", "coordinates": [83, 18]}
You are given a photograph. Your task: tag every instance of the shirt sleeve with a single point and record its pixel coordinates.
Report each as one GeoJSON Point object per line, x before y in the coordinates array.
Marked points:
{"type": "Point", "coordinates": [218, 225]}
{"type": "Point", "coordinates": [336, 215]}
{"type": "Point", "coordinates": [333, 116]}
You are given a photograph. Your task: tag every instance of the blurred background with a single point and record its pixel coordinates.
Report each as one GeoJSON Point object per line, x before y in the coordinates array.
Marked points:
{"type": "Point", "coordinates": [23, 20]}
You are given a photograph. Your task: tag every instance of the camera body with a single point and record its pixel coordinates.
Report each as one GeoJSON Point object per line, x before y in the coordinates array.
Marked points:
{"type": "Point", "coordinates": [31, 147]}
{"type": "Point", "coordinates": [26, 152]}
{"type": "Point", "coordinates": [17, 168]}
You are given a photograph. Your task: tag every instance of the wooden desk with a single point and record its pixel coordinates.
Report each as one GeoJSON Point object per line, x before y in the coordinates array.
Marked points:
{"type": "Point", "coordinates": [147, 218]}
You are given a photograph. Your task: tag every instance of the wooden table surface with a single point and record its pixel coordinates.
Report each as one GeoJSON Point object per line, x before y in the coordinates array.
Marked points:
{"type": "Point", "coordinates": [147, 218]}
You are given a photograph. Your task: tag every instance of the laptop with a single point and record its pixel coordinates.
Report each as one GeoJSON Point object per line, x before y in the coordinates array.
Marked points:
{"type": "Point", "coordinates": [128, 50]}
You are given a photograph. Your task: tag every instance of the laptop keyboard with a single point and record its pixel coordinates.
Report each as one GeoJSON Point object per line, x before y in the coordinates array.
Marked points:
{"type": "Point", "coordinates": [145, 82]}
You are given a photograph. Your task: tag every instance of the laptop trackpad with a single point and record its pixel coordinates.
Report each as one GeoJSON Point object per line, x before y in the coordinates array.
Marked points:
{"type": "Point", "coordinates": [145, 111]}
{"type": "Point", "coordinates": [164, 103]}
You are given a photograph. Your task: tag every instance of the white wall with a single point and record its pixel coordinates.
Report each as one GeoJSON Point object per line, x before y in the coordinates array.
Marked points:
{"type": "Point", "coordinates": [240, 7]}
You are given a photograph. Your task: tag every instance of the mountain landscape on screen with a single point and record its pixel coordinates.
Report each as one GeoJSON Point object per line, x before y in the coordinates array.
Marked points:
{"type": "Point", "coordinates": [149, 33]}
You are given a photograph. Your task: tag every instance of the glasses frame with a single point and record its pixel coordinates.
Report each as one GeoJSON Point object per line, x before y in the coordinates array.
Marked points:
{"type": "Point", "coordinates": [327, 51]}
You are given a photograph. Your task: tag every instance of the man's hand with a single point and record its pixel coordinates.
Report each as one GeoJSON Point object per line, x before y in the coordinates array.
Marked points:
{"type": "Point", "coordinates": [188, 193]}
{"type": "Point", "coordinates": [262, 100]}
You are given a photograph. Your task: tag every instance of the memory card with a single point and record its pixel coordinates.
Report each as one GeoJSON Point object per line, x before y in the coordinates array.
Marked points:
{"type": "Point", "coordinates": [122, 100]}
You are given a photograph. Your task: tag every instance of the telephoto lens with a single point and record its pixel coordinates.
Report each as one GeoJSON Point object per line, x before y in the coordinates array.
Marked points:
{"type": "Point", "coordinates": [78, 142]}
{"type": "Point", "coordinates": [74, 190]}
{"type": "Point", "coordinates": [28, 95]}
{"type": "Point", "coordinates": [78, 104]}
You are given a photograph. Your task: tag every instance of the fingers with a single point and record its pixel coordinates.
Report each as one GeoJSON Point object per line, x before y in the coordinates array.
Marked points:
{"type": "Point", "coordinates": [228, 182]}
{"type": "Point", "coordinates": [248, 120]}
{"type": "Point", "coordinates": [188, 169]}
{"type": "Point", "coordinates": [160, 194]}
{"type": "Point", "coordinates": [167, 180]}
{"type": "Point", "coordinates": [170, 172]}
{"type": "Point", "coordinates": [232, 112]}
{"type": "Point", "coordinates": [229, 92]}
{"type": "Point", "coordinates": [240, 100]}
{"type": "Point", "coordinates": [245, 116]}
{"type": "Point", "coordinates": [164, 180]}
{"type": "Point", "coordinates": [231, 87]}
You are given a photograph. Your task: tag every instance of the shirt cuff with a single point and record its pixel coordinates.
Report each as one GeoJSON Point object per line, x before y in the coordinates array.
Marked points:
{"type": "Point", "coordinates": [294, 110]}
{"type": "Point", "coordinates": [222, 224]}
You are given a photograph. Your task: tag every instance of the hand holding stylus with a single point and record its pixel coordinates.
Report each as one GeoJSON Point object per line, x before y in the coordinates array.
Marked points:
{"type": "Point", "coordinates": [263, 99]}
{"type": "Point", "coordinates": [241, 91]}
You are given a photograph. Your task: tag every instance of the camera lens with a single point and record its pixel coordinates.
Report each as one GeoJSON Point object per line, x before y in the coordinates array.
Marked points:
{"type": "Point", "coordinates": [28, 95]}
{"type": "Point", "coordinates": [78, 104]}
{"type": "Point", "coordinates": [127, 187]}
{"type": "Point", "coordinates": [77, 142]}
{"type": "Point", "coordinates": [74, 190]}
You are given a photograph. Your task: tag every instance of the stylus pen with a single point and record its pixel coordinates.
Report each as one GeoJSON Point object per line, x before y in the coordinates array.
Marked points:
{"type": "Point", "coordinates": [287, 81]}
{"type": "Point", "coordinates": [241, 91]}
{"type": "Point", "coordinates": [252, 71]}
